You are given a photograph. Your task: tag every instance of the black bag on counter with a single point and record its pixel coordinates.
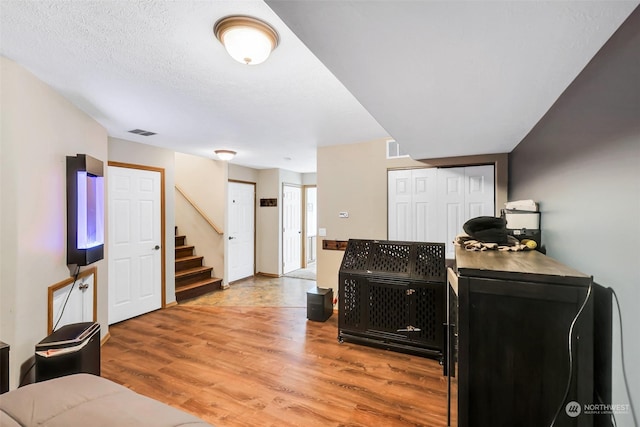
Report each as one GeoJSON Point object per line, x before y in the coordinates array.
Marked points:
{"type": "Point", "coordinates": [487, 229]}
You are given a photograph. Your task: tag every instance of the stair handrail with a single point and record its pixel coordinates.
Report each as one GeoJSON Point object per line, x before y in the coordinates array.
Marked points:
{"type": "Point", "coordinates": [200, 211]}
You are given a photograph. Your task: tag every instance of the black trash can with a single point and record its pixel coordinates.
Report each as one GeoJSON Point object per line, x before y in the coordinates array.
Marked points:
{"type": "Point", "coordinates": [72, 349]}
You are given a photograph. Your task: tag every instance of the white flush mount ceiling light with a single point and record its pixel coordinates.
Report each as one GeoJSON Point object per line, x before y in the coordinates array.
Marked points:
{"type": "Point", "coordinates": [248, 40]}
{"type": "Point", "coordinates": [225, 155]}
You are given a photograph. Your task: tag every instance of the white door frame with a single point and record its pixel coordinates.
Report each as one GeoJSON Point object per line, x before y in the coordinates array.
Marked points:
{"type": "Point", "coordinates": [300, 241]}
{"type": "Point", "coordinates": [163, 237]}
{"type": "Point", "coordinates": [305, 218]}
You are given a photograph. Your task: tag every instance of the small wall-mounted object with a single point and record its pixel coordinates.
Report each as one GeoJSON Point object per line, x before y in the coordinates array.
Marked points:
{"type": "Point", "coordinates": [335, 245]}
{"type": "Point", "coordinates": [343, 214]}
{"type": "Point", "coordinates": [268, 202]}
{"type": "Point", "coordinates": [85, 210]}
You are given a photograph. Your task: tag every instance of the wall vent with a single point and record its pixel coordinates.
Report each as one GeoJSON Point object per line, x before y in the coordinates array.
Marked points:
{"type": "Point", "coordinates": [394, 151]}
{"type": "Point", "coordinates": [142, 132]}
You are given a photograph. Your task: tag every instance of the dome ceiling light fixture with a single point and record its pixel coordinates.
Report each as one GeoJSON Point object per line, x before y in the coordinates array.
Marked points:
{"type": "Point", "coordinates": [248, 40]}
{"type": "Point", "coordinates": [225, 155]}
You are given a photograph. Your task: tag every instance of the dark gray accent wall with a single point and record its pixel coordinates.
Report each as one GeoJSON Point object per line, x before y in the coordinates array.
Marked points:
{"type": "Point", "coordinates": [581, 162]}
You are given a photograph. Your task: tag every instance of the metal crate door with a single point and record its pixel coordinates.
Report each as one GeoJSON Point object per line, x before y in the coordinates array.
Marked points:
{"type": "Point", "coordinates": [389, 304]}
{"type": "Point", "coordinates": [350, 302]}
{"type": "Point", "coordinates": [429, 315]}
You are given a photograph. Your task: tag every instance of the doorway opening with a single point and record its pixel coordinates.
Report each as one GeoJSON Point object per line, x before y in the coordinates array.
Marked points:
{"type": "Point", "coordinates": [309, 214]}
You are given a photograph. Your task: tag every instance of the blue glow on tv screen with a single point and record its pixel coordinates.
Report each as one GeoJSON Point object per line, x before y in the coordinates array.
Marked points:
{"type": "Point", "coordinates": [90, 210]}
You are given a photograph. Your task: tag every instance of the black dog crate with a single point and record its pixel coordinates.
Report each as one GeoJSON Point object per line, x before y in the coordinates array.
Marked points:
{"type": "Point", "coordinates": [392, 295]}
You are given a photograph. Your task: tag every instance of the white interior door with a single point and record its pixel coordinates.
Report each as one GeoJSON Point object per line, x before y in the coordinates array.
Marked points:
{"type": "Point", "coordinates": [413, 205]}
{"type": "Point", "coordinates": [425, 201]}
{"type": "Point", "coordinates": [464, 193]}
{"type": "Point", "coordinates": [240, 230]}
{"type": "Point", "coordinates": [400, 194]}
{"type": "Point", "coordinates": [291, 228]}
{"type": "Point", "coordinates": [432, 204]}
{"type": "Point", "coordinates": [479, 191]}
{"type": "Point", "coordinates": [135, 280]}
{"type": "Point", "coordinates": [451, 206]}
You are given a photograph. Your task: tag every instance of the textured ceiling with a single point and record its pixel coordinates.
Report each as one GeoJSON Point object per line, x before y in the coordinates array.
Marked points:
{"type": "Point", "coordinates": [156, 65]}
{"type": "Point", "coordinates": [442, 78]}
{"type": "Point", "coordinates": [450, 78]}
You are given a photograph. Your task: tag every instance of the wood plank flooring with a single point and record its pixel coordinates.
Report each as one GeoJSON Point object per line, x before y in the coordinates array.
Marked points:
{"type": "Point", "coordinates": [270, 366]}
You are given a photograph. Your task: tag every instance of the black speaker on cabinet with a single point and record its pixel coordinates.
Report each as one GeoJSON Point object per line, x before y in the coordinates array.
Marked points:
{"type": "Point", "coordinates": [319, 304]}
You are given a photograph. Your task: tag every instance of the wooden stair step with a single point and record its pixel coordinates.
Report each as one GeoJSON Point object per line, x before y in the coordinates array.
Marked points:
{"type": "Point", "coordinates": [193, 271]}
{"type": "Point", "coordinates": [192, 275]}
{"type": "Point", "coordinates": [192, 279]}
{"type": "Point", "coordinates": [188, 257]}
{"type": "Point", "coordinates": [211, 280]}
{"type": "Point", "coordinates": [197, 289]}
{"type": "Point", "coordinates": [187, 262]}
{"type": "Point", "coordinates": [184, 250]}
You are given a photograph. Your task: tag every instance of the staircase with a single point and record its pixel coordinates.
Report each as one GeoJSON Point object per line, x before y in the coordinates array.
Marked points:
{"type": "Point", "coordinates": [192, 278]}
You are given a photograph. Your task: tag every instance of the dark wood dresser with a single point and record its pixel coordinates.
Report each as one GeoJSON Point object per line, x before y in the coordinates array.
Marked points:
{"type": "Point", "coordinates": [514, 313]}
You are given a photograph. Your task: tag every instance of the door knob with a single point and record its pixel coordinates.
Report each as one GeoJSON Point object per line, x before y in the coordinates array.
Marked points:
{"type": "Point", "coordinates": [231, 237]}
{"type": "Point", "coordinates": [156, 247]}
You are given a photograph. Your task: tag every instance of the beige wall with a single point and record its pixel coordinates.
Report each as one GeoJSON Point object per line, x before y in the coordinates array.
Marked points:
{"type": "Point", "coordinates": [204, 181]}
{"type": "Point", "coordinates": [353, 178]}
{"type": "Point", "coordinates": [39, 129]}
{"type": "Point", "coordinates": [130, 152]}
{"type": "Point", "coordinates": [268, 254]}
{"type": "Point", "coordinates": [309, 178]}
{"type": "Point", "coordinates": [242, 173]}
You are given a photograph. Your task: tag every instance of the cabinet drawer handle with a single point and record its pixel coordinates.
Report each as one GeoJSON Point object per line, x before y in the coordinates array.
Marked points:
{"type": "Point", "coordinates": [409, 329]}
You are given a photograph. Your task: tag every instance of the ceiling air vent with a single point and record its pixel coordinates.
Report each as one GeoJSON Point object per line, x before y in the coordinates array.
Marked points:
{"type": "Point", "coordinates": [142, 132]}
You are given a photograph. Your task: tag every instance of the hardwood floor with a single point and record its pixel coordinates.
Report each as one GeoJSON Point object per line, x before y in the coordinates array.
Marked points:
{"type": "Point", "coordinates": [269, 366]}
